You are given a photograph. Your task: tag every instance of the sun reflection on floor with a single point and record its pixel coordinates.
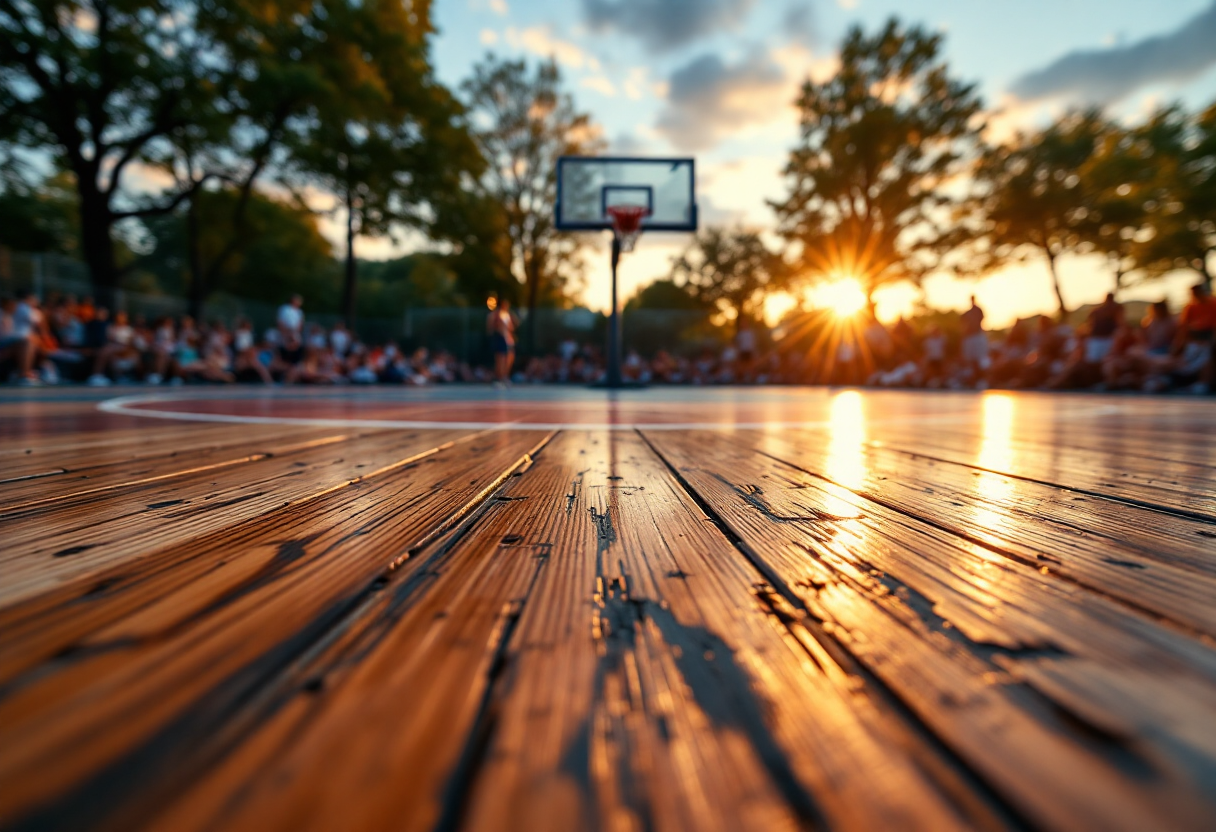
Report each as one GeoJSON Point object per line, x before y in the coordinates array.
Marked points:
{"type": "Point", "coordinates": [846, 453]}
{"type": "Point", "coordinates": [998, 414]}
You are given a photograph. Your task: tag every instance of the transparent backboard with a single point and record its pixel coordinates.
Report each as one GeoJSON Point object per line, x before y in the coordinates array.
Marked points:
{"type": "Point", "coordinates": [588, 185]}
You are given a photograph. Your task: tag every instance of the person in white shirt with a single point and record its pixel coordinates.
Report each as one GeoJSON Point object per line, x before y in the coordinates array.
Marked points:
{"type": "Point", "coordinates": [339, 339]}
{"type": "Point", "coordinates": [119, 354]}
{"type": "Point", "coordinates": [291, 317]}
{"type": "Point", "coordinates": [244, 347]}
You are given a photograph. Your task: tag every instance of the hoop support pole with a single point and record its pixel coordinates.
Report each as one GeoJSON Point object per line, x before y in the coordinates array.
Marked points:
{"type": "Point", "coordinates": [613, 380]}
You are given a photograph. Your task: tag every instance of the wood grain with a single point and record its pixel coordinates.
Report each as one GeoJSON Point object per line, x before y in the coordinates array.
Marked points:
{"type": "Point", "coordinates": [946, 650]}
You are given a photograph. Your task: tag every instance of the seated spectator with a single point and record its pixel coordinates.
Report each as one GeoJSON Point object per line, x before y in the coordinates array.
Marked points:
{"type": "Point", "coordinates": [18, 345]}
{"type": "Point", "coordinates": [1009, 358]}
{"type": "Point", "coordinates": [933, 361]}
{"type": "Point", "coordinates": [119, 355]}
{"type": "Point", "coordinates": [1104, 321]}
{"type": "Point", "coordinates": [1048, 345]}
{"type": "Point", "coordinates": [1196, 342]}
{"type": "Point", "coordinates": [289, 353]}
{"type": "Point", "coordinates": [164, 344]}
{"type": "Point", "coordinates": [1148, 356]}
{"type": "Point", "coordinates": [247, 362]}
{"type": "Point", "coordinates": [340, 340]}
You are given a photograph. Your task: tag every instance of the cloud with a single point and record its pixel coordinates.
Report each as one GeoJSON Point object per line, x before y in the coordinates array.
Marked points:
{"type": "Point", "coordinates": [600, 84]}
{"type": "Point", "coordinates": [540, 41]}
{"type": "Point", "coordinates": [798, 22]}
{"type": "Point", "coordinates": [488, 37]}
{"type": "Point", "coordinates": [709, 99]}
{"type": "Point", "coordinates": [1102, 76]}
{"type": "Point", "coordinates": [665, 24]}
{"type": "Point", "coordinates": [499, 7]}
{"type": "Point", "coordinates": [637, 84]}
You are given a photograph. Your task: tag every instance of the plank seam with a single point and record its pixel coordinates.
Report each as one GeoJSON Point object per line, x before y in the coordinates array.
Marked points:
{"type": "Point", "coordinates": [1013, 556]}
{"type": "Point", "coordinates": [112, 798]}
{"type": "Point", "coordinates": [900, 714]}
{"type": "Point", "coordinates": [1129, 501]}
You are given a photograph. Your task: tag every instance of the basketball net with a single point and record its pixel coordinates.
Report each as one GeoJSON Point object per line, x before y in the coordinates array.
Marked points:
{"type": "Point", "coordinates": [627, 223]}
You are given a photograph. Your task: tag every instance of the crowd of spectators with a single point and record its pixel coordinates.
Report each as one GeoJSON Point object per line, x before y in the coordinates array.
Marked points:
{"type": "Point", "coordinates": [79, 341]}
{"type": "Point", "coordinates": [1108, 352]}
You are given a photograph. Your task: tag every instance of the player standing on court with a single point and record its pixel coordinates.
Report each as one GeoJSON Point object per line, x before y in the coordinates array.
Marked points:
{"type": "Point", "coordinates": [500, 324]}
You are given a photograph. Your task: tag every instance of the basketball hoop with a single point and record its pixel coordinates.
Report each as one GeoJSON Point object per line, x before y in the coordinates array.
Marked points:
{"type": "Point", "coordinates": [627, 223]}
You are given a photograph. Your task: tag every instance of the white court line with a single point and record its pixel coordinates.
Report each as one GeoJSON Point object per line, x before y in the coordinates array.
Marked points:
{"type": "Point", "coordinates": [126, 406]}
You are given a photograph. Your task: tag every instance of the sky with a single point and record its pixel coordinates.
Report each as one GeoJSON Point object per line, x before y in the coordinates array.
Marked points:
{"type": "Point", "coordinates": [716, 79]}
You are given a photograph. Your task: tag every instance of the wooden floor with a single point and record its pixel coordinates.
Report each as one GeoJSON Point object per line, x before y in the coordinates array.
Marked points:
{"type": "Point", "coordinates": [545, 610]}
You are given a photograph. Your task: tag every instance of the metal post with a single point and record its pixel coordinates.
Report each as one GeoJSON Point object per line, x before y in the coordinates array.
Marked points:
{"type": "Point", "coordinates": [614, 323]}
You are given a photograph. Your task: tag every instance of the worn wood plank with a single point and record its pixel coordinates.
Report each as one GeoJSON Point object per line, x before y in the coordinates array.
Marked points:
{"type": "Point", "coordinates": [1160, 563]}
{"type": "Point", "coordinates": [641, 684]}
{"type": "Point", "coordinates": [956, 657]}
{"type": "Point", "coordinates": [71, 541]}
{"type": "Point", "coordinates": [141, 571]}
{"type": "Point", "coordinates": [1164, 484]}
{"type": "Point", "coordinates": [93, 476]}
{"type": "Point", "coordinates": [27, 458]}
{"type": "Point", "coordinates": [98, 732]}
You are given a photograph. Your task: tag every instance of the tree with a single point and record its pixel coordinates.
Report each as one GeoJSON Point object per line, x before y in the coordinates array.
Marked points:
{"type": "Point", "coordinates": [1181, 198]}
{"type": "Point", "coordinates": [880, 141]}
{"type": "Point", "coordinates": [474, 226]}
{"type": "Point", "coordinates": [668, 294]}
{"type": "Point", "coordinates": [294, 73]}
{"type": "Point", "coordinates": [1031, 196]}
{"type": "Point", "coordinates": [100, 82]}
{"type": "Point", "coordinates": [523, 122]}
{"type": "Point", "coordinates": [729, 270]}
{"type": "Point", "coordinates": [1115, 185]}
{"type": "Point", "coordinates": [392, 142]}
{"type": "Point", "coordinates": [286, 252]}
{"type": "Point", "coordinates": [39, 216]}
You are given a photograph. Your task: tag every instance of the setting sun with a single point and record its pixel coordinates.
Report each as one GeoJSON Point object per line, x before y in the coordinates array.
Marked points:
{"type": "Point", "coordinates": [844, 297]}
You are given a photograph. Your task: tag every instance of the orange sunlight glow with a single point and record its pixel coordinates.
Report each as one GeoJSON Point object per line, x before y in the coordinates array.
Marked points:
{"type": "Point", "coordinates": [843, 296]}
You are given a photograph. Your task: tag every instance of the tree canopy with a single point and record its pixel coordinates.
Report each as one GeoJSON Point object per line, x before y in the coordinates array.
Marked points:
{"type": "Point", "coordinates": [523, 121]}
{"type": "Point", "coordinates": [1032, 199]}
{"type": "Point", "coordinates": [731, 270]}
{"type": "Point", "coordinates": [880, 141]}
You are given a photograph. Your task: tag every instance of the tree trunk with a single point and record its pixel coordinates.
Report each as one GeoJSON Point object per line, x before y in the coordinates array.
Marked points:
{"type": "Point", "coordinates": [1055, 284]}
{"type": "Point", "coordinates": [97, 246]}
{"type": "Point", "coordinates": [198, 280]}
{"type": "Point", "coordinates": [350, 281]}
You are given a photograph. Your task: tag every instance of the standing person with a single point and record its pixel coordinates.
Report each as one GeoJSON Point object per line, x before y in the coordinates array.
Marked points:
{"type": "Point", "coordinates": [500, 324]}
{"type": "Point", "coordinates": [291, 319]}
{"type": "Point", "coordinates": [975, 340]}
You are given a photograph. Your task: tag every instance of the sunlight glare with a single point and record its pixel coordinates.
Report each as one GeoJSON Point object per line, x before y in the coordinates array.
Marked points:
{"type": "Point", "coordinates": [843, 296]}
{"type": "Point", "coordinates": [846, 460]}
{"type": "Point", "coordinates": [996, 453]}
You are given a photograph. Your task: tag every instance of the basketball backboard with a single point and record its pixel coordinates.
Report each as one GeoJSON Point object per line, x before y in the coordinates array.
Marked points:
{"type": "Point", "coordinates": [587, 186]}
